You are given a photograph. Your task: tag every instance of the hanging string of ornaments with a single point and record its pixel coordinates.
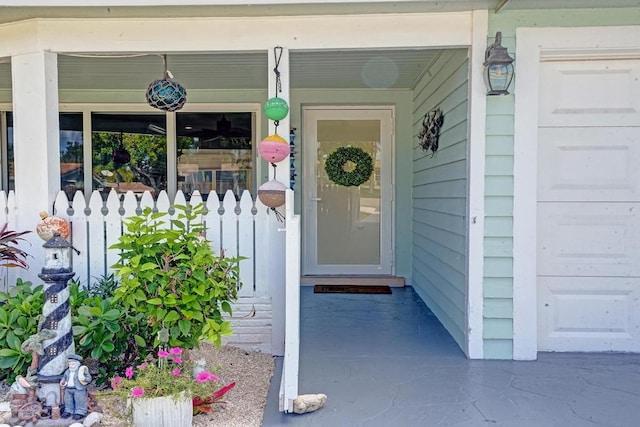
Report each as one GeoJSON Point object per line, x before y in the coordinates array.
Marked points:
{"type": "Point", "coordinates": [274, 148]}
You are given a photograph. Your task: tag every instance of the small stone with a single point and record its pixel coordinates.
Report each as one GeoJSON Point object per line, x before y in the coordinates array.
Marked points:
{"type": "Point", "coordinates": [308, 403]}
{"type": "Point", "coordinates": [92, 419]}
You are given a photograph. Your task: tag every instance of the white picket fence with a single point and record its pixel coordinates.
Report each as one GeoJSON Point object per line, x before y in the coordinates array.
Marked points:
{"type": "Point", "coordinates": [244, 228]}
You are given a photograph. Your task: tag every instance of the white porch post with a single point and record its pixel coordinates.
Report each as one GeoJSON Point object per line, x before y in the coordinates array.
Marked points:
{"type": "Point", "coordinates": [36, 141]}
{"type": "Point", "coordinates": [282, 174]}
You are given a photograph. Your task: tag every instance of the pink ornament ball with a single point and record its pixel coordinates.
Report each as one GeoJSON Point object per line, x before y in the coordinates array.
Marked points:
{"type": "Point", "coordinates": [272, 193]}
{"type": "Point", "coordinates": [273, 149]}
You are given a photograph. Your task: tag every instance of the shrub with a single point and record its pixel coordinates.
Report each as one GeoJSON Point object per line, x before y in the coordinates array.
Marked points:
{"type": "Point", "coordinates": [169, 273]}
{"type": "Point", "coordinates": [20, 309]}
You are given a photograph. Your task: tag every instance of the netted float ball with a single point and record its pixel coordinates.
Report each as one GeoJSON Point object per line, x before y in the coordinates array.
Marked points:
{"type": "Point", "coordinates": [276, 108]}
{"type": "Point", "coordinates": [274, 148]}
{"type": "Point", "coordinates": [272, 193]}
{"type": "Point", "coordinates": [166, 95]}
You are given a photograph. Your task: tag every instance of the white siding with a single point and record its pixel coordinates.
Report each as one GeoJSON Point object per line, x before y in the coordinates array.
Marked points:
{"type": "Point", "coordinates": [439, 194]}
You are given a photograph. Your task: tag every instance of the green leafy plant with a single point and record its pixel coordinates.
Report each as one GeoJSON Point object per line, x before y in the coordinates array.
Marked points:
{"type": "Point", "coordinates": [104, 331]}
{"type": "Point", "coordinates": [20, 309]}
{"type": "Point", "coordinates": [169, 272]}
{"type": "Point", "coordinates": [10, 254]}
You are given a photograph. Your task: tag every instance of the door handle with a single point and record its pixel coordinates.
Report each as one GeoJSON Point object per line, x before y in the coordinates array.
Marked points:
{"type": "Point", "coordinates": [315, 199]}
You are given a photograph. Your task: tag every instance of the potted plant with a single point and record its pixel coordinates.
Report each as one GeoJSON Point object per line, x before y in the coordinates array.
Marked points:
{"type": "Point", "coordinates": [159, 391]}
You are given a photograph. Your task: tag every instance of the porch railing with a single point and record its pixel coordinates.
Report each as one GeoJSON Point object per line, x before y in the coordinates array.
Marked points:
{"type": "Point", "coordinates": [244, 228]}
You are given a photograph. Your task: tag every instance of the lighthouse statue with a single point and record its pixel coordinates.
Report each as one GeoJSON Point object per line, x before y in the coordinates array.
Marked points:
{"type": "Point", "coordinates": [56, 317]}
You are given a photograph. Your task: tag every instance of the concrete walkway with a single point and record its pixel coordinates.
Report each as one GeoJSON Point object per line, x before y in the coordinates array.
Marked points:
{"type": "Point", "coordinates": [385, 360]}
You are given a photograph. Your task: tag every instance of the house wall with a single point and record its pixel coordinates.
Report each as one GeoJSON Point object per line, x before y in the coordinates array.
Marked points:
{"type": "Point", "coordinates": [439, 194]}
{"type": "Point", "coordinates": [498, 242]}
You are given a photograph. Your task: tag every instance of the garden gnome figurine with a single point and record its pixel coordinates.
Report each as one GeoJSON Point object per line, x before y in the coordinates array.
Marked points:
{"type": "Point", "coordinates": [75, 380]}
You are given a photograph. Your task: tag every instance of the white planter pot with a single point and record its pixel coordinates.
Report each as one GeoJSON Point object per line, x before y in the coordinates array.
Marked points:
{"type": "Point", "coordinates": [162, 412]}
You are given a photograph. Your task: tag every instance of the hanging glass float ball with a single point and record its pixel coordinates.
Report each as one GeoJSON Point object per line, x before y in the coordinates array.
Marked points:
{"type": "Point", "coordinates": [166, 94]}
{"type": "Point", "coordinates": [49, 225]}
{"type": "Point", "coordinates": [272, 193]}
{"type": "Point", "coordinates": [276, 108]}
{"type": "Point", "coordinates": [274, 148]}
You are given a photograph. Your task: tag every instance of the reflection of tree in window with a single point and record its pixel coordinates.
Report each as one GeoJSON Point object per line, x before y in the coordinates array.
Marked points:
{"type": "Point", "coordinates": [145, 166]}
{"type": "Point", "coordinates": [129, 152]}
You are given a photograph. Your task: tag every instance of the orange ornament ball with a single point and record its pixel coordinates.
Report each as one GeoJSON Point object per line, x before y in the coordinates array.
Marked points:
{"type": "Point", "coordinates": [49, 225]}
{"type": "Point", "coordinates": [274, 148]}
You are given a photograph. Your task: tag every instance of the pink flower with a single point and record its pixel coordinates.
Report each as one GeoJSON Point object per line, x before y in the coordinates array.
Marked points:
{"type": "Point", "coordinates": [177, 360]}
{"type": "Point", "coordinates": [129, 372]}
{"type": "Point", "coordinates": [142, 365]}
{"type": "Point", "coordinates": [115, 381]}
{"type": "Point", "coordinates": [175, 351]}
{"type": "Point", "coordinates": [176, 372]}
{"type": "Point", "coordinates": [205, 376]}
{"type": "Point", "coordinates": [137, 392]}
{"type": "Point", "coordinates": [163, 354]}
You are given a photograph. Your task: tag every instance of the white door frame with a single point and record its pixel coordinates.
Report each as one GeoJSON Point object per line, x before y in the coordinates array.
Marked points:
{"type": "Point", "coordinates": [533, 45]}
{"type": "Point", "coordinates": [387, 207]}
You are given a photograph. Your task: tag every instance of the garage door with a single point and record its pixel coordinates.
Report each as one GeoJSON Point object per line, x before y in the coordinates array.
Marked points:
{"type": "Point", "coordinates": [588, 255]}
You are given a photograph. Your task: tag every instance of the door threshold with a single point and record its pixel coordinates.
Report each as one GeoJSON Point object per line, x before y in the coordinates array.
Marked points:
{"type": "Point", "coordinates": [310, 280]}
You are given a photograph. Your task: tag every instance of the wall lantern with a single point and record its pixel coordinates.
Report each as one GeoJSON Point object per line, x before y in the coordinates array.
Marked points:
{"type": "Point", "coordinates": [498, 68]}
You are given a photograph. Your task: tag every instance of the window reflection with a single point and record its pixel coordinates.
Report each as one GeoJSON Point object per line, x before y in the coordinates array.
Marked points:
{"type": "Point", "coordinates": [129, 153]}
{"type": "Point", "coordinates": [71, 153]}
{"type": "Point", "coordinates": [214, 152]}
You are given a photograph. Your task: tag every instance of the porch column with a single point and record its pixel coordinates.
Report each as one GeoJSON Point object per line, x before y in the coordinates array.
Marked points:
{"type": "Point", "coordinates": [277, 275]}
{"type": "Point", "coordinates": [36, 141]}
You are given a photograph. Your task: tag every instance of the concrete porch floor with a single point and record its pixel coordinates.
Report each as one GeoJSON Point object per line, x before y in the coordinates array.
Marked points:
{"type": "Point", "coordinates": [385, 360]}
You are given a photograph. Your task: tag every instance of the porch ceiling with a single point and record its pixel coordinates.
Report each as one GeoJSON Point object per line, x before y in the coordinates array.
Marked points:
{"type": "Point", "coordinates": [218, 71]}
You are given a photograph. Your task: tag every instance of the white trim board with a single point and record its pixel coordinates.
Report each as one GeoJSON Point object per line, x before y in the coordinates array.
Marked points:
{"type": "Point", "coordinates": [533, 46]}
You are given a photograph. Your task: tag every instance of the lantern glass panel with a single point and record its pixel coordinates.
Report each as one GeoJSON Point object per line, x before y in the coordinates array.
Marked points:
{"type": "Point", "coordinates": [498, 77]}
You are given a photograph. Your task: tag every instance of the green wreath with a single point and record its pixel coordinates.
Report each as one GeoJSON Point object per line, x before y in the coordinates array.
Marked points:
{"type": "Point", "coordinates": [335, 166]}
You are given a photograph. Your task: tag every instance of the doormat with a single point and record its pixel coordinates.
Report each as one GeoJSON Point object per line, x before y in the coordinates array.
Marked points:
{"type": "Point", "coordinates": [350, 289]}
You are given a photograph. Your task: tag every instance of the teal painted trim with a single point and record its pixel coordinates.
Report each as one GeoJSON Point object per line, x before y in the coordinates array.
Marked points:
{"type": "Point", "coordinates": [499, 165]}
{"type": "Point", "coordinates": [498, 349]}
{"type": "Point", "coordinates": [499, 206]}
{"type": "Point", "coordinates": [499, 185]}
{"type": "Point", "coordinates": [508, 21]}
{"type": "Point", "coordinates": [498, 308]}
{"type": "Point", "coordinates": [500, 146]}
{"type": "Point", "coordinates": [500, 329]}
{"type": "Point", "coordinates": [498, 287]}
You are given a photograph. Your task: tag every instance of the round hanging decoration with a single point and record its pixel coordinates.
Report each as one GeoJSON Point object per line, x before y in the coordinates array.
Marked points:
{"type": "Point", "coordinates": [49, 225]}
{"type": "Point", "coordinates": [166, 95]}
{"type": "Point", "coordinates": [274, 148]}
{"type": "Point", "coordinates": [272, 193]}
{"type": "Point", "coordinates": [349, 166]}
{"type": "Point", "coordinates": [276, 108]}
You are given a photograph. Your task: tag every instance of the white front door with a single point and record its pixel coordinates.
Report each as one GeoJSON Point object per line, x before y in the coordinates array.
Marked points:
{"type": "Point", "coordinates": [347, 228]}
{"type": "Point", "coordinates": [589, 206]}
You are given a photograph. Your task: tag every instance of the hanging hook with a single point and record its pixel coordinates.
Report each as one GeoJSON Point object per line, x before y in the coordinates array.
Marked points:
{"type": "Point", "coordinates": [167, 73]}
{"type": "Point", "coordinates": [277, 56]}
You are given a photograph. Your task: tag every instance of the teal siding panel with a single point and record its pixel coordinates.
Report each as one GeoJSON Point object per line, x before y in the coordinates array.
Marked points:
{"type": "Point", "coordinates": [499, 185]}
{"type": "Point", "coordinates": [498, 267]}
{"type": "Point", "coordinates": [501, 329]}
{"type": "Point", "coordinates": [498, 226]}
{"type": "Point", "coordinates": [440, 194]}
{"type": "Point", "coordinates": [498, 308]}
{"type": "Point", "coordinates": [499, 206]}
{"type": "Point", "coordinates": [500, 125]}
{"type": "Point", "coordinates": [499, 165]}
{"type": "Point", "coordinates": [499, 146]}
{"type": "Point", "coordinates": [498, 287]}
{"type": "Point", "coordinates": [498, 349]}
{"type": "Point", "coordinates": [498, 246]}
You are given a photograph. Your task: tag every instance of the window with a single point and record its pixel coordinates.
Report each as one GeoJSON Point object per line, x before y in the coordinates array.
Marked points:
{"type": "Point", "coordinates": [214, 152]}
{"type": "Point", "coordinates": [128, 153]}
